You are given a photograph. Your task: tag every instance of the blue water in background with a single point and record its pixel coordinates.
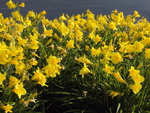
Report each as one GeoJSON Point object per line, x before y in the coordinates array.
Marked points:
{"type": "Point", "coordinates": [55, 8]}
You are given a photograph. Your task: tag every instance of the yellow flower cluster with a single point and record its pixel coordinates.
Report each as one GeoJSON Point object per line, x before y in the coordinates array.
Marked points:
{"type": "Point", "coordinates": [105, 47]}
{"type": "Point", "coordinates": [12, 5]}
{"type": "Point", "coordinates": [19, 58]}
{"type": "Point", "coordinates": [109, 41]}
{"type": "Point", "coordinates": [137, 78]}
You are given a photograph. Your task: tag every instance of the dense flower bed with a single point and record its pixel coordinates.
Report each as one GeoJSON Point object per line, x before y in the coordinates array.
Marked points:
{"type": "Point", "coordinates": [103, 56]}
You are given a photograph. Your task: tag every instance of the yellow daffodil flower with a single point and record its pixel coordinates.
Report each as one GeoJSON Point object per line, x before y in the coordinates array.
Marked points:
{"type": "Point", "coordinates": [63, 29]}
{"type": "Point", "coordinates": [16, 15]}
{"type": "Point", "coordinates": [129, 48]}
{"type": "Point", "coordinates": [20, 66]}
{"type": "Point", "coordinates": [4, 53]}
{"type": "Point", "coordinates": [116, 57]}
{"type": "Point", "coordinates": [11, 5]}
{"type": "Point", "coordinates": [22, 4]}
{"type": "Point", "coordinates": [34, 41]}
{"type": "Point", "coordinates": [52, 70]}
{"type": "Point", "coordinates": [112, 25]}
{"type": "Point", "coordinates": [118, 77]}
{"type": "Point", "coordinates": [31, 14]}
{"type": "Point", "coordinates": [33, 61]}
{"type": "Point", "coordinates": [97, 39]}
{"type": "Point", "coordinates": [133, 72]}
{"type": "Point", "coordinates": [114, 94]}
{"type": "Point", "coordinates": [7, 108]}
{"type": "Point", "coordinates": [19, 90]}
{"type": "Point", "coordinates": [108, 69]}
{"type": "Point", "coordinates": [87, 48]}
{"type": "Point", "coordinates": [138, 78]}
{"type": "Point", "coordinates": [95, 51]}
{"type": "Point", "coordinates": [136, 14]}
{"type": "Point", "coordinates": [147, 53]}
{"type": "Point", "coordinates": [145, 41]}
{"type": "Point", "coordinates": [70, 44]}
{"type": "Point", "coordinates": [138, 46]}
{"type": "Point", "coordinates": [39, 77]}
{"type": "Point", "coordinates": [2, 78]}
{"type": "Point", "coordinates": [136, 87]}
{"type": "Point", "coordinates": [84, 60]}
{"type": "Point", "coordinates": [13, 81]}
{"type": "Point", "coordinates": [78, 35]}
{"type": "Point", "coordinates": [48, 32]}
{"type": "Point", "coordinates": [53, 60]}
{"type": "Point", "coordinates": [84, 70]}
{"type": "Point", "coordinates": [21, 41]}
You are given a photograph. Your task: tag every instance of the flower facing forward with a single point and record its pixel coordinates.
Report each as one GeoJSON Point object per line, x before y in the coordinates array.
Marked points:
{"type": "Point", "coordinates": [19, 90]}
{"type": "Point", "coordinates": [112, 26]}
{"type": "Point", "coordinates": [108, 69]}
{"type": "Point", "coordinates": [116, 57]}
{"type": "Point", "coordinates": [11, 4]}
{"type": "Point", "coordinates": [13, 81]}
{"type": "Point", "coordinates": [133, 72]}
{"type": "Point", "coordinates": [70, 44]}
{"type": "Point", "coordinates": [39, 77]}
{"type": "Point", "coordinates": [138, 46]}
{"type": "Point", "coordinates": [95, 51]}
